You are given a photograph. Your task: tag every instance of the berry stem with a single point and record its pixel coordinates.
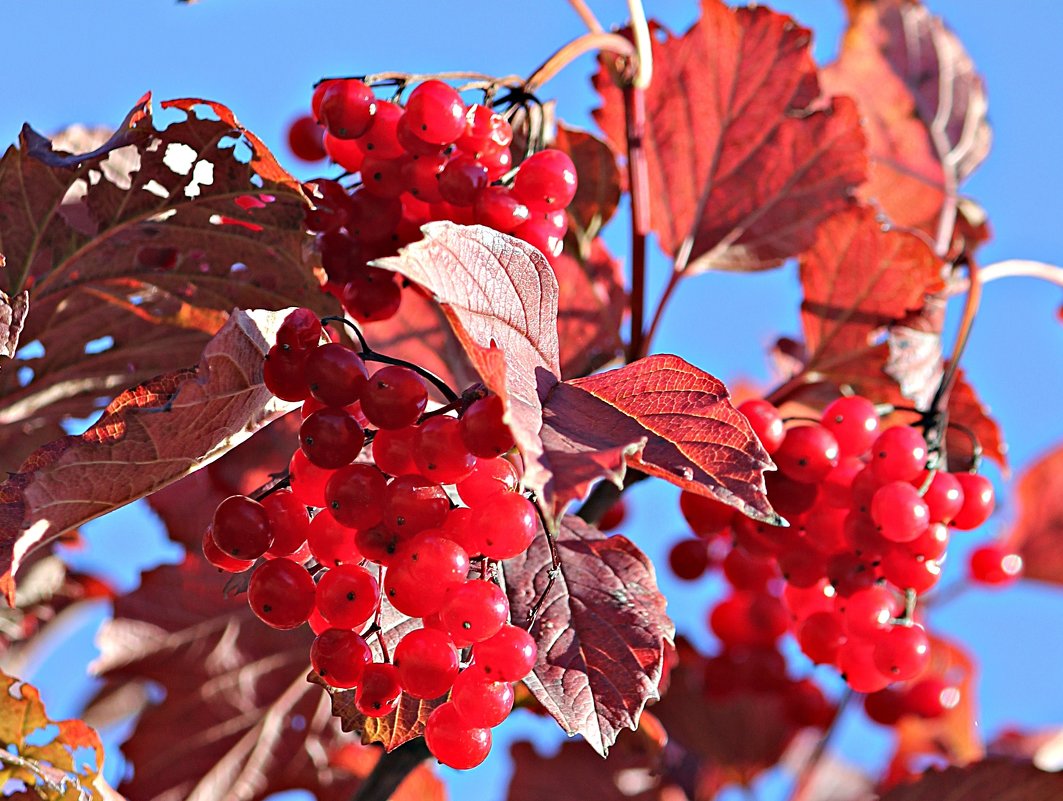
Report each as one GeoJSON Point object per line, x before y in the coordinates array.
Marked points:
{"type": "Point", "coordinates": [808, 769]}
{"type": "Point", "coordinates": [588, 42]}
{"type": "Point", "coordinates": [390, 771]}
{"type": "Point", "coordinates": [658, 314]}
{"type": "Point", "coordinates": [370, 355]}
{"type": "Point", "coordinates": [1015, 268]}
{"type": "Point", "coordinates": [552, 574]}
{"type": "Point", "coordinates": [635, 114]}
{"type": "Point", "coordinates": [583, 11]}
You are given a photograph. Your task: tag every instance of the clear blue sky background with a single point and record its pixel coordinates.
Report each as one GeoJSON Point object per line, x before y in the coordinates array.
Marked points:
{"type": "Point", "coordinates": [63, 62]}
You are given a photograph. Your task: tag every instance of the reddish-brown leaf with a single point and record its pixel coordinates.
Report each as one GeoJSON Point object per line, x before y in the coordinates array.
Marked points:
{"type": "Point", "coordinates": [923, 106]}
{"type": "Point", "coordinates": [598, 192]}
{"type": "Point", "coordinates": [592, 300]}
{"type": "Point", "coordinates": [13, 313]}
{"type": "Point", "coordinates": [500, 296]}
{"type": "Point", "coordinates": [966, 409]}
{"type": "Point", "coordinates": [54, 751]}
{"type": "Point", "coordinates": [601, 631]}
{"type": "Point", "coordinates": [858, 278]}
{"type": "Point", "coordinates": [1038, 533]}
{"type": "Point", "coordinates": [954, 737]}
{"type": "Point", "coordinates": [663, 416]}
{"type": "Point", "coordinates": [741, 167]}
{"type": "Point", "coordinates": [147, 438]}
{"type": "Point", "coordinates": [239, 720]}
{"type": "Point", "coordinates": [990, 780]}
{"type": "Point", "coordinates": [133, 254]}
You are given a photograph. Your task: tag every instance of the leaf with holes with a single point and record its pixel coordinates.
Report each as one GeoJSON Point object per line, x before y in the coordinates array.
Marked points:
{"type": "Point", "coordinates": [743, 164]}
{"type": "Point", "coordinates": [49, 756]}
{"type": "Point", "coordinates": [591, 304]}
{"type": "Point", "coordinates": [991, 780]}
{"type": "Point", "coordinates": [601, 631]}
{"type": "Point", "coordinates": [662, 416]}
{"type": "Point", "coordinates": [858, 278]}
{"type": "Point", "coordinates": [148, 437]}
{"type": "Point", "coordinates": [133, 254]}
{"type": "Point", "coordinates": [237, 711]}
{"type": "Point", "coordinates": [1037, 535]}
{"type": "Point", "coordinates": [923, 106]}
{"type": "Point", "coordinates": [598, 192]}
{"type": "Point", "coordinates": [500, 296]}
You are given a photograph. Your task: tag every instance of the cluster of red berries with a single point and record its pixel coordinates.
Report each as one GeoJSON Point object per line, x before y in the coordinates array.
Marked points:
{"type": "Point", "coordinates": [356, 526]}
{"type": "Point", "coordinates": [434, 159]}
{"type": "Point", "coordinates": [870, 517]}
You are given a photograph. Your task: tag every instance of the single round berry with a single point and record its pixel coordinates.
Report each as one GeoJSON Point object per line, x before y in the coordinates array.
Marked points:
{"type": "Point", "coordinates": [706, 516]}
{"type": "Point", "coordinates": [507, 524]}
{"type": "Point", "coordinates": [854, 423]}
{"type": "Point", "coordinates": [995, 565]}
{"type": "Point", "coordinates": [340, 657]}
{"type": "Point", "coordinates": [944, 495]}
{"type": "Point", "coordinates": [221, 560]}
{"type": "Point", "coordinates": [497, 208]}
{"type": "Point", "coordinates": [899, 511]}
{"type": "Point", "coordinates": [480, 701]}
{"type": "Point", "coordinates": [281, 594]}
{"type": "Point", "coordinates": [372, 295]}
{"type": "Point", "coordinates": [344, 152]}
{"type": "Point", "coordinates": [453, 742]}
{"type": "Point", "coordinates": [749, 619]}
{"type": "Point", "coordinates": [347, 108]}
{"type": "Point", "coordinates": [412, 503]}
{"type": "Point", "coordinates": [381, 140]}
{"type": "Point", "coordinates": [483, 430]}
{"type": "Point", "coordinates": [902, 652]}
{"type": "Point", "coordinates": [284, 374]}
{"type": "Point", "coordinates": [857, 665]}
{"type": "Point", "coordinates": [305, 139]}
{"type": "Point", "coordinates": [931, 697]}
{"type": "Point", "coordinates": [462, 180]}
{"type": "Point", "coordinates": [546, 181]}
{"type": "Point", "coordinates": [507, 656]}
{"type": "Point", "coordinates": [901, 568]}
{"type": "Point", "coordinates": [484, 128]}
{"type": "Point", "coordinates": [394, 397]}
{"type": "Point", "coordinates": [807, 454]}
{"type": "Point", "coordinates": [347, 596]}
{"type": "Point", "coordinates": [384, 178]}
{"type": "Point", "coordinates": [241, 527]}
{"type": "Point", "coordinates": [393, 451]}
{"type": "Point", "coordinates": [689, 559]}
{"type": "Point", "coordinates": [288, 520]}
{"type": "Point", "coordinates": [475, 610]}
{"type": "Point", "coordinates": [301, 330]}
{"type": "Point", "coordinates": [331, 438]}
{"type": "Point", "coordinates": [869, 610]}
{"type": "Point", "coordinates": [490, 477]}
{"type": "Point", "coordinates": [436, 112]}
{"type": "Point", "coordinates": [427, 663]}
{"type": "Point", "coordinates": [885, 706]}
{"type": "Point", "coordinates": [335, 374]}
{"type": "Point", "coordinates": [978, 501]}
{"type": "Point", "coordinates": [747, 572]}
{"type": "Point", "coordinates": [307, 480]}
{"type": "Point", "coordinates": [542, 236]}
{"type": "Point", "coordinates": [821, 637]}
{"type": "Point", "coordinates": [898, 454]}
{"type": "Point", "coordinates": [378, 690]}
{"type": "Point", "coordinates": [378, 544]}
{"type": "Point", "coordinates": [441, 454]}
{"type": "Point", "coordinates": [765, 421]}
{"type": "Point", "coordinates": [422, 573]}
{"type": "Point", "coordinates": [355, 495]}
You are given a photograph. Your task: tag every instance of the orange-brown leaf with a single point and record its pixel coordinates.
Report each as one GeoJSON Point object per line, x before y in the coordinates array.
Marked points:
{"type": "Point", "coordinates": [598, 192]}
{"type": "Point", "coordinates": [591, 303]}
{"type": "Point", "coordinates": [991, 780]}
{"type": "Point", "coordinates": [1038, 533]}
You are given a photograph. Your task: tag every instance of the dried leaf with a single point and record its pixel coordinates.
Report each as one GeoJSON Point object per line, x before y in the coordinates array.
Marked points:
{"type": "Point", "coordinates": [591, 303]}
{"type": "Point", "coordinates": [1038, 533]}
{"type": "Point", "coordinates": [239, 720]}
{"type": "Point", "coordinates": [47, 755]}
{"type": "Point", "coordinates": [990, 780]}
{"type": "Point", "coordinates": [598, 192]}
{"type": "Point", "coordinates": [500, 297]}
{"type": "Point", "coordinates": [147, 438]}
{"type": "Point", "coordinates": [601, 631]}
{"type": "Point", "coordinates": [663, 416]}
{"type": "Point", "coordinates": [923, 105]}
{"type": "Point", "coordinates": [13, 313]}
{"type": "Point", "coordinates": [742, 168]}
{"type": "Point", "coordinates": [133, 254]}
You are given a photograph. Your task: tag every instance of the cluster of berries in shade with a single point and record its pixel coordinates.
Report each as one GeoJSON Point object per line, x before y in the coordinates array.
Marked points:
{"type": "Point", "coordinates": [357, 525]}
{"type": "Point", "coordinates": [435, 158]}
{"type": "Point", "coordinates": [870, 520]}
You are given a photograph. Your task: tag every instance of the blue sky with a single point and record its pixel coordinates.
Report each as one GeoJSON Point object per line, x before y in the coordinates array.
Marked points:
{"type": "Point", "coordinates": [66, 64]}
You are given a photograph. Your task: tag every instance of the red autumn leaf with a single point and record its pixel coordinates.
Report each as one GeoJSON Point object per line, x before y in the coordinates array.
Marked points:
{"type": "Point", "coordinates": [129, 259]}
{"type": "Point", "coordinates": [598, 192]}
{"type": "Point", "coordinates": [742, 168]}
{"type": "Point", "coordinates": [966, 409]}
{"type": "Point", "coordinates": [858, 278]}
{"type": "Point", "coordinates": [953, 737]}
{"type": "Point", "coordinates": [996, 779]}
{"type": "Point", "coordinates": [237, 712]}
{"type": "Point", "coordinates": [147, 438]}
{"type": "Point", "coordinates": [53, 752]}
{"type": "Point", "coordinates": [1037, 535]}
{"type": "Point", "coordinates": [923, 106]}
{"type": "Point", "coordinates": [660, 415]}
{"type": "Point", "coordinates": [601, 630]}
{"type": "Point", "coordinates": [500, 296]}
{"type": "Point", "coordinates": [591, 302]}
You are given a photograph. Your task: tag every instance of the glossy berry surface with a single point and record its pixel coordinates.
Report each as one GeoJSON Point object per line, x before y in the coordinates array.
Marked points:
{"type": "Point", "coordinates": [995, 565]}
{"type": "Point", "coordinates": [241, 528]}
{"type": "Point", "coordinates": [506, 525]}
{"type": "Point", "coordinates": [346, 108]}
{"type": "Point", "coordinates": [898, 454]}
{"type": "Point", "coordinates": [347, 596]}
{"type": "Point", "coordinates": [331, 438]}
{"type": "Point", "coordinates": [281, 594]}
{"type": "Point", "coordinates": [440, 452]}
{"type": "Point", "coordinates": [355, 495]}
{"type": "Point", "coordinates": [482, 429]}
{"type": "Point", "coordinates": [378, 690]}
{"type": "Point", "coordinates": [394, 397]}
{"type": "Point", "coordinates": [978, 501]}
{"type": "Point", "coordinates": [453, 742]}
{"type": "Point", "coordinates": [475, 611]}
{"type": "Point", "coordinates": [507, 656]}
{"type": "Point", "coordinates": [854, 423]}
{"type": "Point", "coordinates": [339, 657]}
{"type": "Point", "coordinates": [335, 374]}
{"type": "Point", "coordinates": [480, 701]}
{"type": "Point", "coordinates": [427, 663]}
{"type": "Point", "coordinates": [436, 112]}
{"type": "Point", "coordinates": [807, 454]}
{"type": "Point", "coordinates": [546, 181]}
{"type": "Point", "coordinates": [766, 422]}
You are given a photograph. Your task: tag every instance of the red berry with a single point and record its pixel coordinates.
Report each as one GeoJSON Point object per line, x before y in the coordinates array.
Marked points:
{"type": "Point", "coordinates": [901, 568]}
{"type": "Point", "coordinates": [422, 176]}
{"type": "Point", "coordinates": [427, 663]}
{"type": "Point", "coordinates": [347, 596]}
{"type": "Point", "coordinates": [340, 657]}
{"type": "Point", "coordinates": [749, 619]}
{"type": "Point", "coordinates": [384, 178]}
{"type": "Point", "coordinates": [332, 543]}
{"type": "Point", "coordinates": [441, 454]}
{"type": "Point", "coordinates": [944, 496]}
{"type": "Point", "coordinates": [479, 701]}
{"type": "Point", "coordinates": [689, 559]}
{"type": "Point", "coordinates": [319, 94]}
{"type": "Point", "coordinates": [857, 665]}
{"type": "Point", "coordinates": [378, 690]}
{"type": "Point", "coordinates": [372, 295]}
{"type": "Point", "coordinates": [542, 236]}
{"type": "Point", "coordinates": [931, 698]}
{"type": "Point", "coordinates": [821, 636]}
{"type": "Point", "coordinates": [854, 423]}
{"type": "Point", "coordinates": [546, 181]}
{"type": "Point", "coordinates": [706, 516]}
{"type": "Point", "coordinates": [393, 451]}
{"type": "Point", "coordinates": [497, 208]}
{"type": "Point", "coordinates": [394, 397]}
{"type": "Point", "coordinates": [412, 503]}
{"type": "Point", "coordinates": [995, 565]}
{"type": "Point", "coordinates": [347, 108]}
{"type": "Point", "coordinates": [899, 511]}
{"type": "Point", "coordinates": [331, 438]}
{"type": "Point", "coordinates": [284, 374]}
{"type": "Point", "coordinates": [885, 706]}
{"type": "Point", "coordinates": [462, 180]}
{"type": "Point", "coordinates": [301, 330]}
{"type": "Point", "coordinates": [453, 742]}
{"type": "Point", "coordinates": [344, 152]}
{"type": "Point", "coordinates": [281, 594]}
{"type": "Point", "coordinates": [221, 560]}
{"type": "Point", "coordinates": [898, 454]}
{"type": "Point", "coordinates": [902, 652]}
{"type": "Point", "coordinates": [766, 423]}
{"type": "Point", "coordinates": [484, 128]}
{"type": "Point", "coordinates": [382, 140]}
{"type": "Point", "coordinates": [489, 477]}
{"type": "Point", "coordinates": [807, 454]}
{"type": "Point", "coordinates": [241, 527]}
{"type": "Point", "coordinates": [378, 544]}
{"type": "Point", "coordinates": [498, 160]}
{"type": "Point", "coordinates": [423, 571]}
{"type": "Point", "coordinates": [436, 112]}
{"type": "Point", "coordinates": [506, 525]}
{"type": "Point", "coordinates": [288, 520]}
{"type": "Point", "coordinates": [483, 430]}
{"type": "Point", "coordinates": [354, 494]}
{"type": "Point", "coordinates": [372, 219]}
{"type": "Point", "coordinates": [837, 486]}
{"type": "Point", "coordinates": [336, 374]}
{"type": "Point", "coordinates": [869, 610]}
{"type": "Point", "coordinates": [978, 501]}
{"type": "Point", "coordinates": [308, 481]}
{"type": "Point", "coordinates": [747, 572]}
{"type": "Point", "coordinates": [613, 517]}
{"type": "Point", "coordinates": [507, 656]}
{"type": "Point", "coordinates": [475, 611]}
